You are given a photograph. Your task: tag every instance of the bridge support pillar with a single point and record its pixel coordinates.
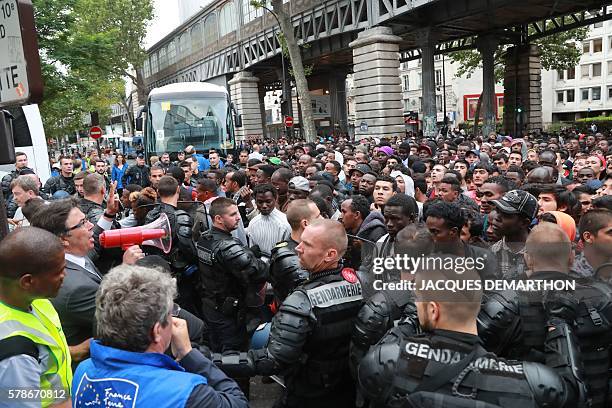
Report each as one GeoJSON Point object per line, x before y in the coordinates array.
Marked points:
{"type": "Point", "coordinates": [245, 95]}
{"type": "Point", "coordinates": [487, 45]}
{"type": "Point", "coordinates": [426, 39]}
{"type": "Point", "coordinates": [523, 90]}
{"type": "Point", "coordinates": [378, 91]}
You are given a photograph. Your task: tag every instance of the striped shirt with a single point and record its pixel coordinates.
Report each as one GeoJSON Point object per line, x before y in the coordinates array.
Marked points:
{"type": "Point", "coordinates": [267, 230]}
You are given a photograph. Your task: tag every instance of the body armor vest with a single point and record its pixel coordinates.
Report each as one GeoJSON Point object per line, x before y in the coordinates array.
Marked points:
{"type": "Point", "coordinates": [594, 332]}
{"type": "Point", "coordinates": [335, 303]}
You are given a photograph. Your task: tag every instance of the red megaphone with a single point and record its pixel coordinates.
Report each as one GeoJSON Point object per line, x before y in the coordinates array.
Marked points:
{"type": "Point", "coordinates": [157, 233]}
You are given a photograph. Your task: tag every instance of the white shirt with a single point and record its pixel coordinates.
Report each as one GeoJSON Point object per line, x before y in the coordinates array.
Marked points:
{"type": "Point", "coordinates": [267, 230]}
{"type": "Point", "coordinates": [256, 155]}
{"type": "Point", "coordinates": [82, 262]}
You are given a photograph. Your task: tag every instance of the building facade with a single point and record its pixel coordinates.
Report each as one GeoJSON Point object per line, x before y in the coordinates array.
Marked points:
{"type": "Point", "coordinates": [585, 90]}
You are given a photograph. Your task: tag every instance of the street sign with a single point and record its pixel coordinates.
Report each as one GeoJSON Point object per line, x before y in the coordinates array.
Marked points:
{"type": "Point", "coordinates": [95, 132]}
{"type": "Point", "coordinates": [289, 121]}
{"type": "Point", "coordinates": [20, 76]}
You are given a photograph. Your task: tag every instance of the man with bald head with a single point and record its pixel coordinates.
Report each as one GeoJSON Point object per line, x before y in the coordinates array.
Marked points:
{"type": "Point", "coordinates": [315, 320]}
{"type": "Point", "coordinates": [34, 354]}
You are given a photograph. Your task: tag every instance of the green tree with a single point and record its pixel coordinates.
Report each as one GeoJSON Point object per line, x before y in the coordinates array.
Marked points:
{"type": "Point", "coordinates": [558, 51]}
{"type": "Point", "coordinates": [86, 48]}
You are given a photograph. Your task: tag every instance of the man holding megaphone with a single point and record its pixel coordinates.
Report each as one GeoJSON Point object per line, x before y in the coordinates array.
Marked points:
{"type": "Point", "coordinates": [75, 302]}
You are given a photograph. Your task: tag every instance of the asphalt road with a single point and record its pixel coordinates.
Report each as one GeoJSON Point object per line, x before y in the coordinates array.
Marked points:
{"type": "Point", "coordinates": [263, 395]}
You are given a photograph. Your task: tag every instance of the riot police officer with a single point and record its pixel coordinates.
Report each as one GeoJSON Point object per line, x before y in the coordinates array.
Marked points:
{"type": "Point", "coordinates": [383, 309]}
{"type": "Point", "coordinates": [445, 365]}
{"type": "Point", "coordinates": [285, 270]}
{"type": "Point", "coordinates": [538, 325]}
{"type": "Point", "coordinates": [182, 256]}
{"type": "Point", "coordinates": [231, 277]}
{"type": "Point", "coordinates": [309, 336]}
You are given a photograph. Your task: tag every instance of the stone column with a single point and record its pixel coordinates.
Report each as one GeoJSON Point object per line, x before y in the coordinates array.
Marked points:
{"type": "Point", "coordinates": [523, 90]}
{"type": "Point", "coordinates": [245, 95]}
{"type": "Point", "coordinates": [487, 45]}
{"type": "Point", "coordinates": [426, 39]}
{"type": "Point", "coordinates": [377, 86]}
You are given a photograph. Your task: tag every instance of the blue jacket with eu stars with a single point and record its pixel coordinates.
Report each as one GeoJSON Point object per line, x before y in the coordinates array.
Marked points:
{"type": "Point", "coordinates": [119, 378]}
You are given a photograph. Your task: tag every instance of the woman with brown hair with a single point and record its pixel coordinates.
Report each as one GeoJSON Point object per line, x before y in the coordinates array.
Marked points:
{"type": "Point", "coordinates": [119, 168]}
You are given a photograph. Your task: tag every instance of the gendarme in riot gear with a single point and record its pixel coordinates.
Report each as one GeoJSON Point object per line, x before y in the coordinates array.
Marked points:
{"type": "Point", "coordinates": [310, 334]}
{"type": "Point", "coordinates": [445, 366]}
{"type": "Point", "coordinates": [231, 277]}
{"type": "Point", "coordinates": [182, 256]}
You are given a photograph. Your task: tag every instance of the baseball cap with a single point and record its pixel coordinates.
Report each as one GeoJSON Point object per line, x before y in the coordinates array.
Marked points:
{"type": "Point", "coordinates": [140, 156]}
{"type": "Point", "coordinates": [474, 152]}
{"type": "Point", "coordinates": [518, 202]}
{"type": "Point", "coordinates": [275, 160]}
{"type": "Point", "coordinates": [594, 184]}
{"type": "Point", "coordinates": [362, 168]}
{"type": "Point", "coordinates": [299, 183]}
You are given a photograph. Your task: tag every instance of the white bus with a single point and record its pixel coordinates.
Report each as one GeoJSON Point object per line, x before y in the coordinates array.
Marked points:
{"type": "Point", "coordinates": [188, 113]}
{"type": "Point", "coordinates": [29, 138]}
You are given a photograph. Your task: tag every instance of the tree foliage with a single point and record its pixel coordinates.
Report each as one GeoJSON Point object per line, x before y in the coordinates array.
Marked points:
{"type": "Point", "coordinates": [86, 48]}
{"type": "Point", "coordinates": [558, 51]}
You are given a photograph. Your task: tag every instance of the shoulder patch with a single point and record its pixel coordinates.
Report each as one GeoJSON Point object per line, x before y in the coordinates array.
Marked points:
{"type": "Point", "coordinates": [349, 275]}
{"type": "Point", "coordinates": [281, 244]}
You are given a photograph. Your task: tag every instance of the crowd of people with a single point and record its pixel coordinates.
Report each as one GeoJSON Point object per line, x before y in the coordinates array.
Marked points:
{"type": "Point", "coordinates": [292, 241]}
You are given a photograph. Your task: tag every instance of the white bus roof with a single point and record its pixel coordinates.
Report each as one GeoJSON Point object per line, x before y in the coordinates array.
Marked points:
{"type": "Point", "coordinates": [186, 87]}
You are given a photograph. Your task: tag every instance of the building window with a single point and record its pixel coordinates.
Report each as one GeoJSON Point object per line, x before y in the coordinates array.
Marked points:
{"type": "Point", "coordinates": [571, 73]}
{"type": "Point", "coordinates": [171, 52]}
{"type": "Point", "coordinates": [210, 29]}
{"type": "Point", "coordinates": [597, 69]}
{"type": "Point", "coordinates": [439, 102]}
{"type": "Point", "coordinates": [560, 96]}
{"type": "Point", "coordinates": [570, 95]}
{"type": "Point", "coordinates": [597, 45]}
{"type": "Point", "coordinates": [406, 82]}
{"type": "Point", "coordinates": [250, 13]}
{"type": "Point", "coordinates": [154, 66]}
{"type": "Point", "coordinates": [227, 19]}
{"type": "Point", "coordinates": [586, 47]}
{"type": "Point", "coordinates": [184, 45]}
{"type": "Point", "coordinates": [437, 57]}
{"type": "Point", "coordinates": [584, 71]}
{"type": "Point", "coordinates": [610, 93]}
{"type": "Point", "coordinates": [598, 25]}
{"type": "Point", "coordinates": [438, 77]}
{"type": "Point", "coordinates": [196, 37]}
{"type": "Point", "coordinates": [163, 58]}
{"type": "Point", "coordinates": [559, 75]}
{"type": "Point", "coordinates": [596, 93]}
{"type": "Point", "coordinates": [406, 104]}
{"type": "Point", "coordinates": [147, 68]}
{"type": "Point", "coordinates": [420, 81]}
{"type": "Point", "coordinates": [585, 94]}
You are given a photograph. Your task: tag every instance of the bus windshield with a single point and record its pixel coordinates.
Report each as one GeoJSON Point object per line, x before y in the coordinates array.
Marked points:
{"type": "Point", "coordinates": [205, 123]}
